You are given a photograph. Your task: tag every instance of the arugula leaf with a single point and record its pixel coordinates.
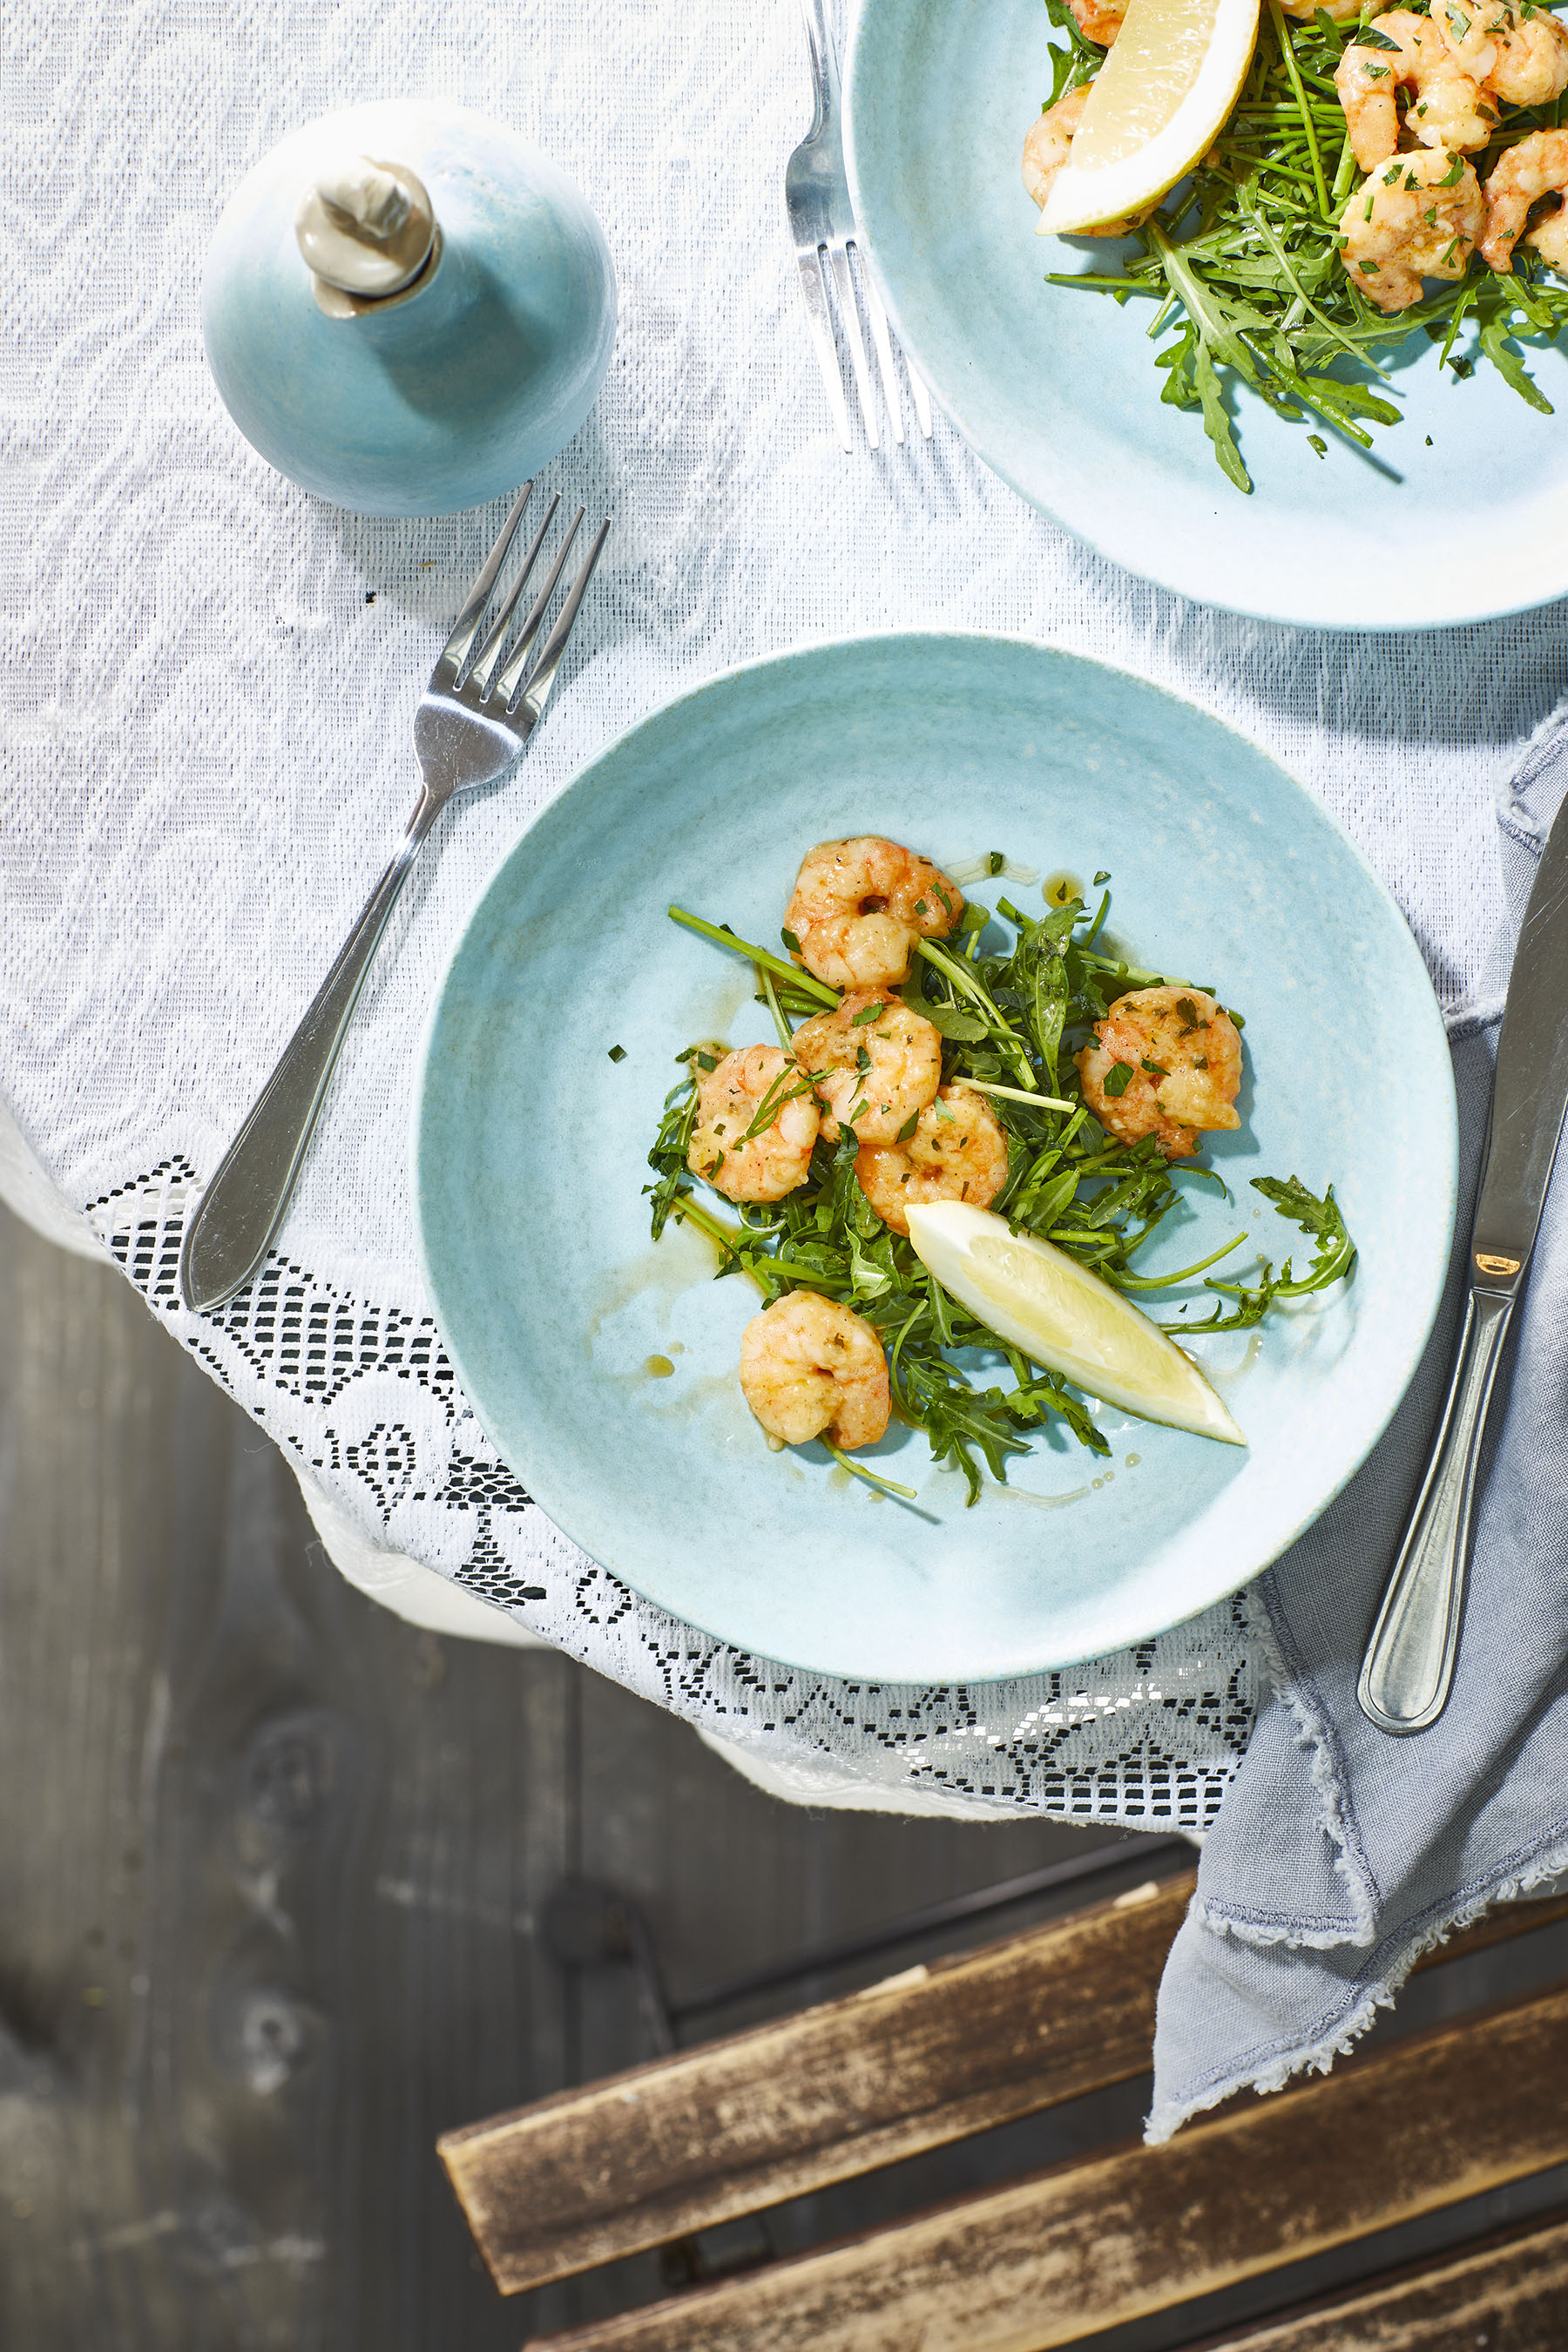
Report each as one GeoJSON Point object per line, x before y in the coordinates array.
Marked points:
{"type": "Point", "coordinates": [1496, 333]}
{"type": "Point", "coordinates": [1336, 1253]}
{"type": "Point", "coordinates": [1040, 966]}
{"type": "Point", "coordinates": [668, 1157]}
{"type": "Point", "coordinates": [1217, 422]}
{"type": "Point", "coordinates": [954, 1022]}
{"type": "Point", "coordinates": [1075, 63]}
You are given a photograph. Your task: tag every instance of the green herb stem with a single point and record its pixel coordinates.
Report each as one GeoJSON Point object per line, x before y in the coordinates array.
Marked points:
{"type": "Point", "coordinates": [1167, 1281]}
{"type": "Point", "coordinates": [785, 1035]}
{"type": "Point", "coordinates": [1281, 34]}
{"type": "Point", "coordinates": [1016, 1094]}
{"type": "Point", "coordinates": [859, 1470]}
{"type": "Point", "coordinates": [801, 980]}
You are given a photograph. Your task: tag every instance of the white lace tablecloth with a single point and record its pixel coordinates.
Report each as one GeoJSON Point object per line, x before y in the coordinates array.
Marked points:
{"type": "Point", "coordinates": [210, 677]}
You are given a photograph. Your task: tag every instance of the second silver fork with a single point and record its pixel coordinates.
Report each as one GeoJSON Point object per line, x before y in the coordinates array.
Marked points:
{"type": "Point", "coordinates": [473, 721]}
{"type": "Point", "coordinates": [821, 223]}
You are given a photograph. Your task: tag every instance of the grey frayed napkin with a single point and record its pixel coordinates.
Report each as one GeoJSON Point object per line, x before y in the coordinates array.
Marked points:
{"type": "Point", "coordinates": [1340, 1855]}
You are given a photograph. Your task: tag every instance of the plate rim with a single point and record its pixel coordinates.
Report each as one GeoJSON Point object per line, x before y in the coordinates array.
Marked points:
{"type": "Point", "coordinates": [949, 396]}
{"type": "Point", "coordinates": [783, 658]}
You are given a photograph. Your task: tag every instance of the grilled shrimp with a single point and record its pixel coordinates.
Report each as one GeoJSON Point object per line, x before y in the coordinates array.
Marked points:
{"type": "Point", "coordinates": [1407, 222]}
{"type": "Point", "coordinates": [1517, 52]}
{"type": "Point", "coordinates": [1048, 141]}
{"type": "Point", "coordinates": [860, 905]}
{"type": "Point", "coordinates": [1537, 167]}
{"type": "Point", "coordinates": [1447, 109]}
{"type": "Point", "coordinates": [1047, 148]}
{"type": "Point", "coordinates": [1099, 20]}
{"type": "Point", "coordinates": [876, 1062]}
{"type": "Point", "coordinates": [730, 1097]}
{"type": "Point", "coordinates": [1342, 12]}
{"type": "Point", "coordinates": [957, 1152]}
{"type": "Point", "coordinates": [1179, 1057]}
{"type": "Point", "coordinates": [810, 1367]}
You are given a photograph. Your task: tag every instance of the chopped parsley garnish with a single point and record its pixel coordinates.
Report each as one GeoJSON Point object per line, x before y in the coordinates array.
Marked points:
{"type": "Point", "coordinates": [617, 1052]}
{"type": "Point", "coordinates": [1117, 1078]}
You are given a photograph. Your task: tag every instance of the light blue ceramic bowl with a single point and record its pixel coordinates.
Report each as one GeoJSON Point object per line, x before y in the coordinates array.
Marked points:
{"type": "Point", "coordinates": [1057, 391]}
{"type": "Point", "coordinates": [443, 401]}
{"type": "Point", "coordinates": [532, 1144]}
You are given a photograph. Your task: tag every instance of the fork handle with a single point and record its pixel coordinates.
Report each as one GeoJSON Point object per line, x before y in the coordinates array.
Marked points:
{"type": "Point", "coordinates": [243, 1207]}
{"type": "Point", "coordinates": [823, 63]}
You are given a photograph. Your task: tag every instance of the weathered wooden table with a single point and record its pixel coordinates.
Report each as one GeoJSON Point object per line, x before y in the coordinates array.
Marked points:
{"type": "Point", "coordinates": [270, 1867]}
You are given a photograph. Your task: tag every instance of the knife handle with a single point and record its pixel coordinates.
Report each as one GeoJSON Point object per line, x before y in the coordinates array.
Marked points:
{"type": "Point", "coordinates": [1408, 1668]}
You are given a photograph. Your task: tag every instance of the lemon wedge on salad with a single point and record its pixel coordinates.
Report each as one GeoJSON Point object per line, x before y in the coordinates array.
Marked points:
{"type": "Point", "coordinates": [1159, 99]}
{"type": "Point", "coordinates": [1067, 1318]}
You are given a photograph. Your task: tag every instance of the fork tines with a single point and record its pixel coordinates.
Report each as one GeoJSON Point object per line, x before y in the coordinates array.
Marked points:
{"type": "Point", "coordinates": [828, 272]}
{"type": "Point", "coordinates": [478, 675]}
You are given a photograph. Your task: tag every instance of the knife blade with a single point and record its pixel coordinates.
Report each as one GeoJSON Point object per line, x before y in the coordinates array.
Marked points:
{"type": "Point", "coordinates": [1530, 1091]}
{"type": "Point", "coordinates": [1408, 1669]}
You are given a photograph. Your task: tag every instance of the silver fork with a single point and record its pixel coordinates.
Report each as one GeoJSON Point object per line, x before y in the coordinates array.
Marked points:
{"type": "Point", "coordinates": [822, 222]}
{"type": "Point", "coordinates": [473, 720]}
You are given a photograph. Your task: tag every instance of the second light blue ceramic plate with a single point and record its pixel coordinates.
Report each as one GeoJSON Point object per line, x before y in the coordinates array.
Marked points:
{"type": "Point", "coordinates": [1458, 513]}
{"type": "Point", "coordinates": [532, 1144]}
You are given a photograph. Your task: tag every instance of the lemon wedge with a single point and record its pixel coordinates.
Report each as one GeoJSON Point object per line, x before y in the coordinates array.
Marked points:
{"type": "Point", "coordinates": [1155, 106]}
{"type": "Point", "coordinates": [1067, 1318]}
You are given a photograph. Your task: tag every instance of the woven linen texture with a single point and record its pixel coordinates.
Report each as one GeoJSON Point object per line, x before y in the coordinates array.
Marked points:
{"type": "Point", "coordinates": [210, 681]}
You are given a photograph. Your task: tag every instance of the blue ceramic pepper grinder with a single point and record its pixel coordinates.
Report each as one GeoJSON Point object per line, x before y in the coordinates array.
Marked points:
{"type": "Point", "coordinates": [407, 310]}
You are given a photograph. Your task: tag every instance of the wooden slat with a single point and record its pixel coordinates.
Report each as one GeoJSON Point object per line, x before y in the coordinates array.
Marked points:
{"type": "Point", "coordinates": [1086, 2246]}
{"type": "Point", "coordinates": [720, 2130]}
{"type": "Point", "coordinates": [1511, 2295]}
{"type": "Point", "coordinates": [789, 2107]}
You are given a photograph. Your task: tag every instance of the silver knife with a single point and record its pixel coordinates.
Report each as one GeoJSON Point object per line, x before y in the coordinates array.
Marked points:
{"type": "Point", "coordinates": [1408, 1668]}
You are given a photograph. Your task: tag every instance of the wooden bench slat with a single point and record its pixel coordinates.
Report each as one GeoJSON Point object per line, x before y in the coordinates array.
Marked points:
{"type": "Point", "coordinates": [719, 2130]}
{"type": "Point", "coordinates": [1084, 2246]}
{"type": "Point", "coordinates": [1513, 2296]}
{"type": "Point", "coordinates": [930, 2056]}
